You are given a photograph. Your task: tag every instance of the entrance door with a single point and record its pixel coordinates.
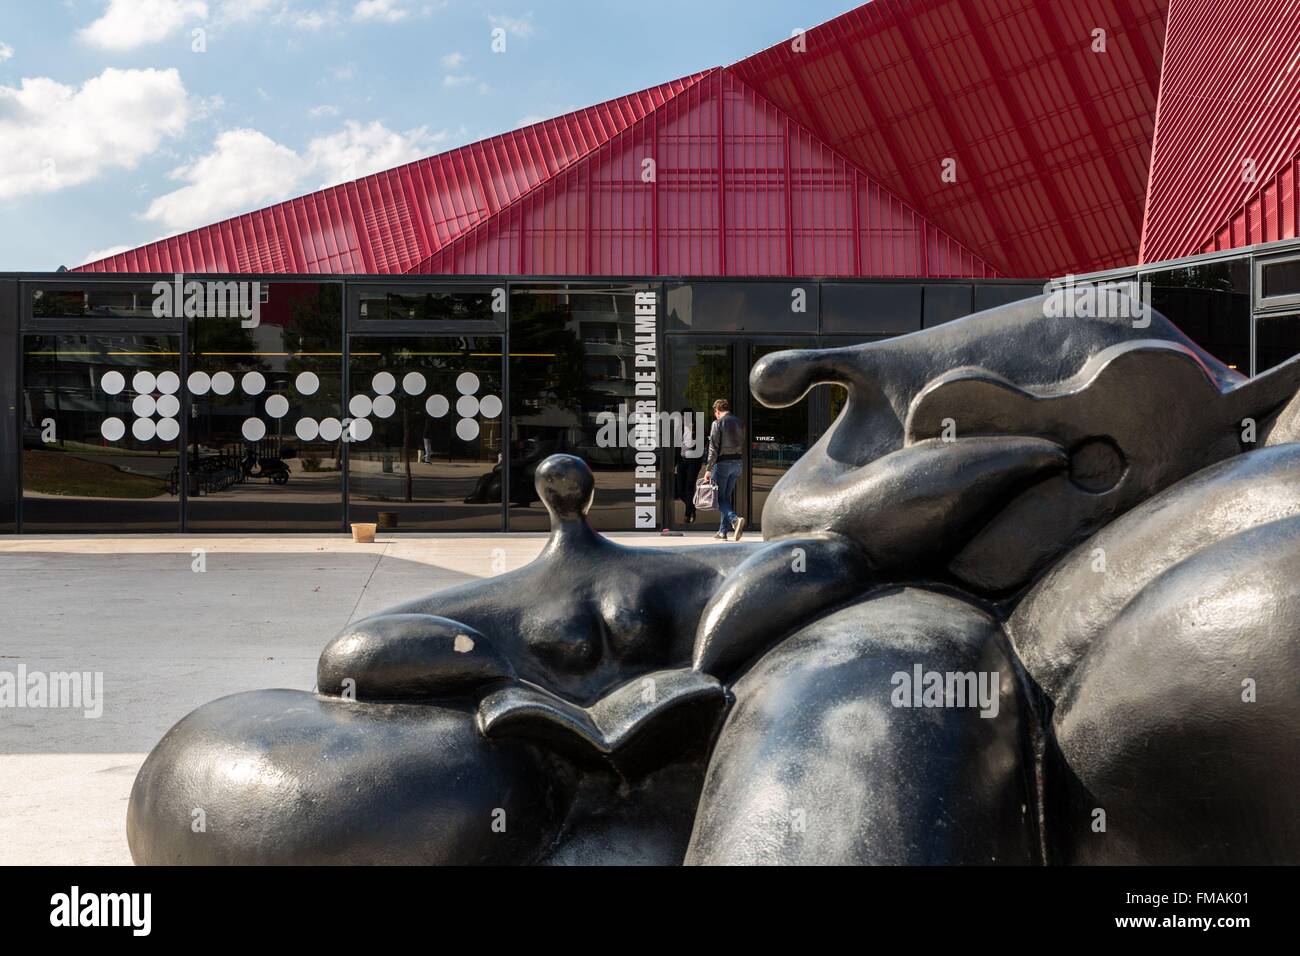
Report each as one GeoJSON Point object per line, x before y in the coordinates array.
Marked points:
{"type": "Point", "coordinates": [704, 368]}
{"type": "Point", "coordinates": [778, 437]}
{"type": "Point", "coordinates": [423, 429]}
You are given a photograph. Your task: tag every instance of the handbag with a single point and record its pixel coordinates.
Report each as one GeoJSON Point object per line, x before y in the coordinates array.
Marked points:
{"type": "Point", "coordinates": [706, 495]}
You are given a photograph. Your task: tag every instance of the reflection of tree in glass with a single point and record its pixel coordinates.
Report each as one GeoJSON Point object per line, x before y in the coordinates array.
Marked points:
{"type": "Point", "coordinates": [540, 327]}
{"type": "Point", "coordinates": [708, 379]}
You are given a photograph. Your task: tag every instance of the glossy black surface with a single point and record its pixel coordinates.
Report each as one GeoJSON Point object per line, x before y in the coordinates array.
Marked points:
{"type": "Point", "coordinates": [1017, 606]}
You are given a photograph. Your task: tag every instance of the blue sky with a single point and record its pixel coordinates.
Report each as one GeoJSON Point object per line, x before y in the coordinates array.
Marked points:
{"type": "Point", "coordinates": [120, 124]}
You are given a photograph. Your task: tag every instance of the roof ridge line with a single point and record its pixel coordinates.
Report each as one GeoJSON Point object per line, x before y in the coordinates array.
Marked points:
{"type": "Point", "coordinates": [695, 79]}
{"type": "Point", "coordinates": [877, 180]}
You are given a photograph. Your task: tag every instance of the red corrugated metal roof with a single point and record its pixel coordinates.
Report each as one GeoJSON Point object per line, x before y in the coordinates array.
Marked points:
{"type": "Point", "coordinates": [1227, 150]}
{"type": "Point", "coordinates": [825, 157]}
{"type": "Point", "coordinates": [1051, 140]}
{"type": "Point", "coordinates": [390, 221]}
{"type": "Point", "coordinates": [768, 198]}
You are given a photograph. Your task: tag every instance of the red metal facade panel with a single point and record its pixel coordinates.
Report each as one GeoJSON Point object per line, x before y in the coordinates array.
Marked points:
{"type": "Point", "coordinates": [670, 196]}
{"type": "Point", "coordinates": [390, 221]}
{"type": "Point", "coordinates": [1051, 140]}
{"type": "Point", "coordinates": [1227, 150]}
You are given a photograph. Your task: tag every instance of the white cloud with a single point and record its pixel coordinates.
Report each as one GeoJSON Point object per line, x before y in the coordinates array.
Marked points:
{"type": "Point", "coordinates": [515, 26]}
{"type": "Point", "coordinates": [128, 24]}
{"type": "Point", "coordinates": [325, 109]}
{"type": "Point", "coordinates": [311, 19]}
{"type": "Point", "coordinates": [69, 135]}
{"type": "Point", "coordinates": [453, 61]}
{"type": "Point", "coordinates": [357, 151]}
{"type": "Point", "coordinates": [236, 11]}
{"type": "Point", "coordinates": [6, 51]}
{"type": "Point", "coordinates": [389, 11]}
{"type": "Point", "coordinates": [97, 254]}
{"type": "Point", "coordinates": [453, 80]}
{"type": "Point", "coordinates": [247, 170]}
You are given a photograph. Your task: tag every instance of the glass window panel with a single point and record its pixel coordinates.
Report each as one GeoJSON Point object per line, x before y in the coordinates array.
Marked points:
{"type": "Point", "coordinates": [993, 295]}
{"type": "Point", "coordinates": [434, 306]}
{"type": "Point", "coordinates": [1277, 338]}
{"type": "Point", "coordinates": [873, 307]}
{"type": "Point", "coordinates": [943, 303]}
{"type": "Point", "coordinates": [435, 404]}
{"type": "Point", "coordinates": [261, 455]}
{"type": "Point", "coordinates": [743, 306]}
{"type": "Point", "coordinates": [1211, 304]}
{"type": "Point", "coordinates": [100, 443]}
{"type": "Point", "coordinates": [1280, 278]}
{"type": "Point", "coordinates": [115, 302]}
{"type": "Point", "coordinates": [572, 357]}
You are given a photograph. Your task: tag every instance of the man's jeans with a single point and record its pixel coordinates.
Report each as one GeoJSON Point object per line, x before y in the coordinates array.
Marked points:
{"type": "Point", "coordinates": [725, 474]}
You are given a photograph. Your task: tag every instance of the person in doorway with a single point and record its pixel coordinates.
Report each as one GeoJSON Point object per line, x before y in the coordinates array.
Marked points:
{"type": "Point", "coordinates": [689, 462]}
{"type": "Point", "coordinates": [726, 442]}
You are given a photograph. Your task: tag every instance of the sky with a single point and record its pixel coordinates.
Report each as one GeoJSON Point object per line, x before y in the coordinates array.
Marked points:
{"type": "Point", "coordinates": [125, 121]}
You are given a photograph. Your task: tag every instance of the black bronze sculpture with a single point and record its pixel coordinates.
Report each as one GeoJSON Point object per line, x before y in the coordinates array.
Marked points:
{"type": "Point", "coordinates": [1031, 599]}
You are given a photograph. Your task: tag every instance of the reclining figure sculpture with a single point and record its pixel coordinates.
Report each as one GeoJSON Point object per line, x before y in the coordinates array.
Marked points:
{"type": "Point", "coordinates": [1030, 600]}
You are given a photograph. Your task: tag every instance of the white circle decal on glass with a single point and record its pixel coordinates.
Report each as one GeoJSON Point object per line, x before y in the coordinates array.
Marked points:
{"type": "Point", "coordinates": [277, 406]}
{"type": "Point", "coordinates": [199, 383]}
{"type": "Point", "coordinates": [467, 383]}
{"type": "Point", "coordinates": [169, 429]}
{"type": "Point", "coordinates": [467, 429]}
{"type": "Point", "coordinates": [360, 429]}
{"type": "Point", "coordinates": [223, 383]}
{"type": "Point", "coordinates": [489, 406]}
{"type": "Point", "coordinates": [113, 429]}
{"type": "Point", "coordinates": [254, 429]}
{"type": "Point", "coordinates": [437, 406]}
{"type": "Point", "coordinates": [306, 429]}
{"type": "Point", "coordinates": [359, 406]}
{"type": "Point", "coordinates": [169, 383]}
{"type": "Point", "coordinates": [467, 406]}
{"type": "Point", "coordinates": [143, 405]}
{"type": "Point", "coordinates": [383, 383]}
{"type": "Point", "coordinates": [112, 383]}
{"type": "Point", "coordinates": [169, 406]}
{"type": "Point", "coordinates": [413, 383]}
{"type": "Point", "coordinates": [383, 406]}
{"type": "Point", "coordinates": [331, 429]}
{"type": "Point", "coordinates": [306, 383]}
{"type": "Point", "coordinates": [143, 428]}
{"type": "Point", "coordinates": [144, 383]}
{"type": "Point", "coordinates": [253, 383]}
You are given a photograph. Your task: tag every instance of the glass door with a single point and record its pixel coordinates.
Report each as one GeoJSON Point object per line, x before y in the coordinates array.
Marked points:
{"type": "Point", "coordinates": [423, 426]}
{"type": "Point", "coordinates": [702, 370]}
{"type": "Point", "coordinates": [778, 437]}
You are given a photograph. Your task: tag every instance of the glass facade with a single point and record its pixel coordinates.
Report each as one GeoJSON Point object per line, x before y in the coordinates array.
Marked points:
{"type": "Point", "coordinates": [262, 451]}
{"type": "Point", "coordinates": [425, 432]}
{"type": "Point", "coordinates": [426, 406]}
{"type": "Point", "coordinates": [101, 432]}
{"type": "Point", "coordinates": [1211, 303]}
{"type": "Point", "coordinates": [573, 369]}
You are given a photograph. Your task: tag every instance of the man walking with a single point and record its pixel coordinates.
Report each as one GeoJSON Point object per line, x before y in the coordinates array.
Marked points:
{"type": "Point", "coordinates": [726, 442]}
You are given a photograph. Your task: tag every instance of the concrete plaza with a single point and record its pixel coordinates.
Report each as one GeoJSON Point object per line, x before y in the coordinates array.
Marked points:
{"type": "Point", "coordinates": [167, 638]}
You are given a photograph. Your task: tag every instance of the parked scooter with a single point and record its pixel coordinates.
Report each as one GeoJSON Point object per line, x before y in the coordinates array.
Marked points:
{"type": "Point", "coordinates": [271, 468]}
